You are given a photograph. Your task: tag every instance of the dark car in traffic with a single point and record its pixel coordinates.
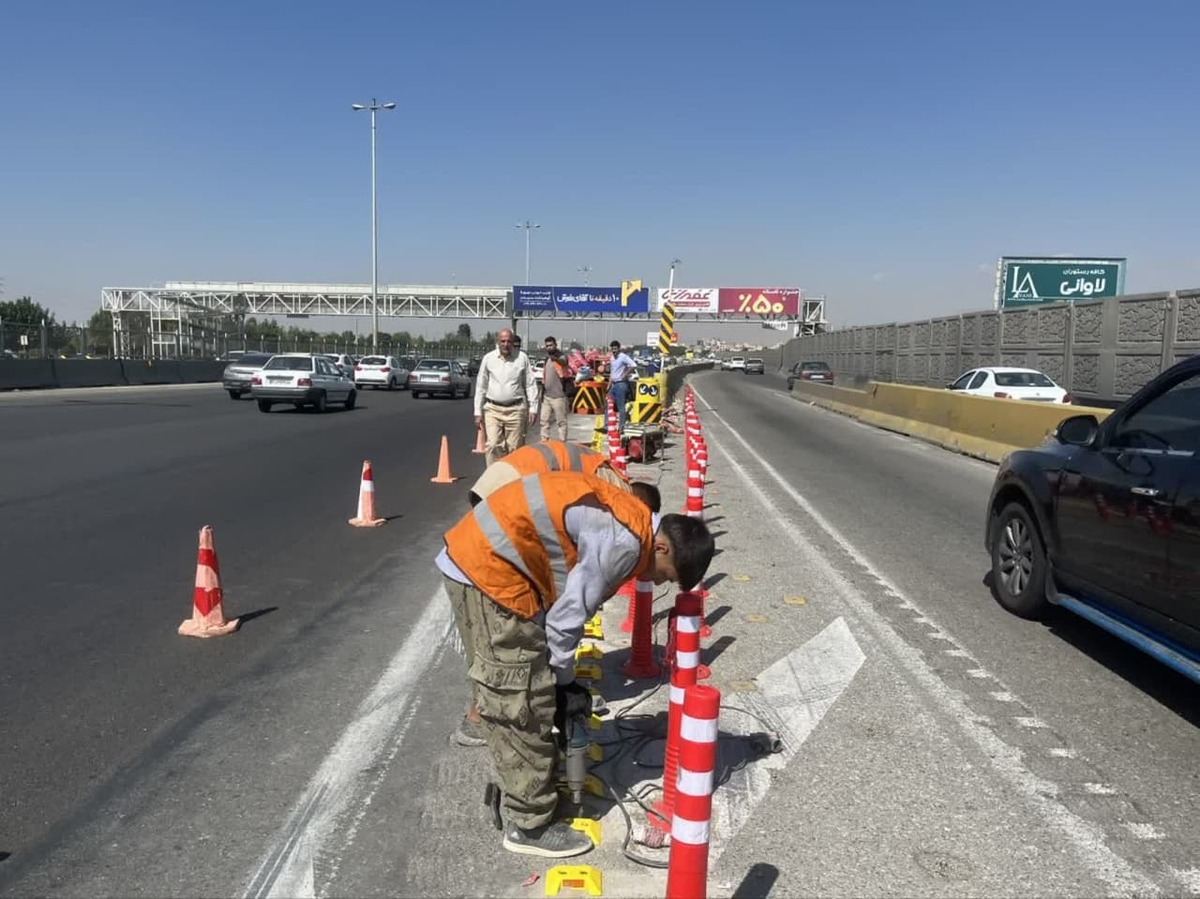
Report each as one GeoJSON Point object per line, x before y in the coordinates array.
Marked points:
{"type": "Point", "coordinates": [755, 367]}
{"type": "Point", "coordinates": [820, 372]}
{"type": "Point", "coordinates": [439, 377]}
{"type": "Point", "coordinates": [1103, 519]}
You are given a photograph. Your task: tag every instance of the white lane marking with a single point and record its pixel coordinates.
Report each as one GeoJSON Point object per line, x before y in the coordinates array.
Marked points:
{"type": "Point", "coordinates": [794, 693]}
{"type": "Point", "coordinates": [1088, 839]}
{"type": "Point", "coordinates": [377, 729]}
{"type": "Point", "coordinates": [1144, 831]}
{"type": "Point", "coordinates": [1099, 789]}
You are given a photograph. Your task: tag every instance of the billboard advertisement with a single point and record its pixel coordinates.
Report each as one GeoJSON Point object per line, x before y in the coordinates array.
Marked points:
{"type": "Point", "coordinates": [689, 299]}
{"type": "Point", "coordinates": [579, 299]}
{"type": "Point", "coordinates": [760, 300]}
{"type": "Point", "coordinates": [1031, 281]}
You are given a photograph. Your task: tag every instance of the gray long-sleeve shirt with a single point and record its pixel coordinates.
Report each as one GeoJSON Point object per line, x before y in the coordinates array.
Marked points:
{"type": "Point", "coordinates": [608, 556]}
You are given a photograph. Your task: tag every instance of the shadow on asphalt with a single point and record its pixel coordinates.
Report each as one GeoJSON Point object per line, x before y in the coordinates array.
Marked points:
{"type": "Point", "coordinates": [758, 881]}
{"type": "Point", "coordinates": [258, 613]}
{"type": "Point", "coordinates": [1162, 684]}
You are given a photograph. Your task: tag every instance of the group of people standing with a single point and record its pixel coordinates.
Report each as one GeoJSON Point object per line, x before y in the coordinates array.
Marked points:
{"type": "Point", "coordinates": [552, 532]}
{"type": "Point", "coordinates": [509, 400]}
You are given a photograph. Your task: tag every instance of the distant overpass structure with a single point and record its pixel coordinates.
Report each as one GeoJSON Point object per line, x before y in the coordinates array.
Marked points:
{"type": "Point", "coordinates": [181, 311]}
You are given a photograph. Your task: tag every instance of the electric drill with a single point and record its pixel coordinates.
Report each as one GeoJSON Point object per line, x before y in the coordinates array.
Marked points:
{"type": "Point", "coordinates": [576, 756]}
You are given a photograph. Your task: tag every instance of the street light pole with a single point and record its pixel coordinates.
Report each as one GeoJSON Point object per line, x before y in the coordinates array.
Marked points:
{"type": "Point", "coordinates": [585, 269]}
{"type": "Point", "coordinates": [671, 277]}
{"type": "Point", "coordinates": [528, 227]}
{"type": "Point", "coordinates": [374, 108]}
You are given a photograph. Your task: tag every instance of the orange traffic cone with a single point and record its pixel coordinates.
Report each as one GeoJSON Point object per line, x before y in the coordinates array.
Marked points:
{"type": "Point", "coordinates": [443, 475]}
{"type": "Point", "coordinates": [480, 440]}
{"type": "Point", "coordinates": [366, 500]}
{"type": "Point", "coordinates": [208, 616]}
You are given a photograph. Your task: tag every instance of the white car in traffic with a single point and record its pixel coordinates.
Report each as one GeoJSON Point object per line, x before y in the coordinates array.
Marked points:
{"type": "Point", "coordinates": [380, 371]}
{"type": "Point", "coordinates": [1011, 383]}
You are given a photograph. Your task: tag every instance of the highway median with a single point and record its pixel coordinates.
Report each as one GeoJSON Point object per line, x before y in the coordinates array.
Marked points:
{"type": "Point", "coordinates": [982, 427]}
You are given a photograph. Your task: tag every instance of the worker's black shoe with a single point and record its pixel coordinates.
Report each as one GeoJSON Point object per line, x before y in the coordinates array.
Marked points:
{"type": "Point", "coordinates": [553, 840]}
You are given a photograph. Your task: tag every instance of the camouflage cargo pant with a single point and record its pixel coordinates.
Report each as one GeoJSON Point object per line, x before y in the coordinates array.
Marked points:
{"type": "Point", "coordinates": [509, 667]}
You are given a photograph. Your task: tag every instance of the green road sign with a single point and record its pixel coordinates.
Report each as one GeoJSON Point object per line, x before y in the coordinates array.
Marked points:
{"type": "Point", "coordinates": [1033, 281]}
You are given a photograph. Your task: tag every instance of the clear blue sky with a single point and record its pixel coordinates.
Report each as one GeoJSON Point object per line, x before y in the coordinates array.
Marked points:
{"type": "Point", "coordinates": [884, 154]}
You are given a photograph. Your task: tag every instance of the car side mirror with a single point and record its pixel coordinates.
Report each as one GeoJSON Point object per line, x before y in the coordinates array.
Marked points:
{"type": "Point", "coordinates": [1078, 430]}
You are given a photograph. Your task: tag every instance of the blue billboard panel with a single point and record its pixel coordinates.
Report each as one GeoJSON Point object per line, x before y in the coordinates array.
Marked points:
{"type": "Point", "coordinates": [579, 299]}
{"type": "Point", "coordinates": [533, 299]}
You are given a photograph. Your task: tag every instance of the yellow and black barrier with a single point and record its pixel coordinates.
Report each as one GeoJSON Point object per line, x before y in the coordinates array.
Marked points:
{"type": "Point", "coordinates": [980, 426]}
{"type": "Point", "coordinates": [589, 398]}
{"type": "Point", "coordinates": [648, 396]}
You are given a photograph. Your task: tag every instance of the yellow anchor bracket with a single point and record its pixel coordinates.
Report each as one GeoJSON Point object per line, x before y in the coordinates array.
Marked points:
{"type": "Point", "coordinates": [588, 826]}
{"type": "Point", "coordinates": [574, 877]}
{"type": "Point", "coordinates": [588, 671]}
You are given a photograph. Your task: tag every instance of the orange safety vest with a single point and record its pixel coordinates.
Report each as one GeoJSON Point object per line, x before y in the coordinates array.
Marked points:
{"type": "Point", "coordinates": [554, 455]}
{"type": "Point", "coordinates": [504, 547]}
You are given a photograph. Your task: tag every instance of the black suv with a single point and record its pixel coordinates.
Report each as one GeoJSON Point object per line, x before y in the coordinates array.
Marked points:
{"type": "Point", "coordinates": [1104, 520]}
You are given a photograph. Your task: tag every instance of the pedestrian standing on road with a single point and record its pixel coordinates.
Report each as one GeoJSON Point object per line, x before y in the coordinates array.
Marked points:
{"type": "Point", "coordinates": [525, 570]}
{"type": "Point", "coordinates": [555, 376]}
{"type": "Point", "coordinates": [505, 397]}
{"type": "Point", "coordinates": [622, 370]}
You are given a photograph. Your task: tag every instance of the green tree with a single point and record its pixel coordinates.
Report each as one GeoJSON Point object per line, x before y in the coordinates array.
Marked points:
{"type": "Point", "coordinates": [25, 312]}
{"type": "Point", "coordinates": [464, 331]}
{"type": "Point", "coordinates": [99, 331]}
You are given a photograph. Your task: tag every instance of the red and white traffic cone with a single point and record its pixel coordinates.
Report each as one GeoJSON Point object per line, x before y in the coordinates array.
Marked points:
{"type": "Point", "coordinates": [695, 492]}
{"type": "Point", "coordinates": [687, 866]}
{"type": "Point", "coordinates": [641, 662]}
{"type": "Point", "coordinates": [480, 440]}
{"type": "Point", "coordinates": [365, 516]}
{"type": "Point", "coordinates": [684, 662]}
{"type": "Point", "coordinates": [208, 611]}
{"type": "Point", "coordinates": [628, 590]}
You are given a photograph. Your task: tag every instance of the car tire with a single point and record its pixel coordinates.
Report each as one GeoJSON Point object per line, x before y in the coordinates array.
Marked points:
{"type": "Point", "coordinates": [264, 405]}
{"type": "Point", "coordinates": [351, 400]}
{"type": "Point", "coordinates": [320, 403]}
{"type": "Point", "coordinates": [414, 394]}
{"type": "Point", "coordinates": [391, 385]}
{"type": "Point", "coordinates": [235, 395]}
{"type": "Point", "coordinates": [1019, 563]}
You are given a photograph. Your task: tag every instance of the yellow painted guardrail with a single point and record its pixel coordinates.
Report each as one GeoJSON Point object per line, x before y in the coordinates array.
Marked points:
{"type": "Point", "coordinates": [984, 427]}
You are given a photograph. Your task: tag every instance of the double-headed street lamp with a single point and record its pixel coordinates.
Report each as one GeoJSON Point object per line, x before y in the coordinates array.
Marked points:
{"type": "Point", "coordinates": [584, 269]}
{"type": "Point", "coordinates": [528, 227]}
{"type": "Point", "coordinates": [374, 108]}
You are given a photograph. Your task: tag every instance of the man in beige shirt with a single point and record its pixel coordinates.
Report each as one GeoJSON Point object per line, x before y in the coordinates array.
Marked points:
{"type": "Point", "coordinates": [555, 376]}
{"type": "Point", "coordinates": [505, 397]}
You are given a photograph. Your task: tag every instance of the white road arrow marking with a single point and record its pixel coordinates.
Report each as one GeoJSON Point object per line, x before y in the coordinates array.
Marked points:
{"type": "Point", "coordinates": [793, 695]}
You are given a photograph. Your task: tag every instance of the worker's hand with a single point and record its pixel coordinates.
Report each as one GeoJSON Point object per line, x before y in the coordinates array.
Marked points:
{"type": "Point", "coordinates": [478, 421]}
{"type": "Point", "coordinates": [571, 701]}
{"type": "Point", "coordinates": [532, 416]}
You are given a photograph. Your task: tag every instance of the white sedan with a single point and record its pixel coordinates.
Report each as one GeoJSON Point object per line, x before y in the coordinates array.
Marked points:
{"type": "Point", "coordinates": [380, 371]}
{"type": "Point", "coordinates": [1011, 383]}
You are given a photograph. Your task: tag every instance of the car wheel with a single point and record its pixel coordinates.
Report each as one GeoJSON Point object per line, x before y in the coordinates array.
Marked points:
{"type": "Point", "coordinates": [264, 405]}
{"type": "Point", "coordinates": [320, 403]}
{"type": "Point", "coordinates": [391, 385]}
{"type": "Point", "coordinates": [1019, 563]}
{"type": "Point", "coordinates": [235, 394]}
{"type": "Point", "coordinates": [414, 394]}
{"type": "Point", "coordinates": [351, 400]}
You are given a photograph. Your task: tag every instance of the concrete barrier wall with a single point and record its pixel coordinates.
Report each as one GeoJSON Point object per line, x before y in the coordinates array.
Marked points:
{"type": "Point", "coordinates": [29, 374]}
{"type": "Point", "coordinates": [1103, 349]}
{"type": "Point", "coordinates": [676, 374]}
{"type": "Point", "coordinates": [983, 427]}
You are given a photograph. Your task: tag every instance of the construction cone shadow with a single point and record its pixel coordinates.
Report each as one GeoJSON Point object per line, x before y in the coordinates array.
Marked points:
{"type": "Point", "coordinates": [208, 613]}
{"type": "Point", "coordinates": [443, 475]}
{"type": "Point", "coordinates": [365, 517]}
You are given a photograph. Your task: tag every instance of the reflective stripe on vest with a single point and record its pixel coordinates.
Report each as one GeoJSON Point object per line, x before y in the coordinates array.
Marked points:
{"type": "Point", "coordinates": [501, 545]}
{"type": "Point", "coordinates": [539, 510]}
{"type": "Point", "coordinates": [549, 455]}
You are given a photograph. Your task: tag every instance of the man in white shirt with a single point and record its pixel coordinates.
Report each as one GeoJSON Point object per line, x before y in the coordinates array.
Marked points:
{"type": "Point", "coordinates": [622, 372]}
{"type": "Point", "coordinates": [505, 397]}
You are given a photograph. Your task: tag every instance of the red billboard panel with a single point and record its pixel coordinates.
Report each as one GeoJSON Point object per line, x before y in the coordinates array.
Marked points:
{"type": "Point", "coordinates": [760, 300]}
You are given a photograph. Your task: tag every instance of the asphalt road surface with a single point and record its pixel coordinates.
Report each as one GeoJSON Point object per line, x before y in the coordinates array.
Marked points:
{"type": "Point", "coordinates": [956, 750]}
